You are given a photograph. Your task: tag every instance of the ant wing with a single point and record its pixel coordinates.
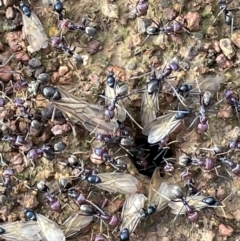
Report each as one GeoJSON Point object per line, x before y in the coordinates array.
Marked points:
{"type": "Point", "coordinates": [101, 127]}
{"type": "Point", "coordinates": [132, 207]}
{"type": "Point", "coordinates": [118, 182]}
{"type": "Point", "coordinates": [120, 113]}
{"type": "Point", "coordinates": [65, 94]}
{"type": "Point", "coordinates": [50, 229]}
{"type": "Point", "coordinates": [194, 201]}
{"type": "Point", "coordinates": [197, 202]}
{"type": "Point", "coordinates": [21, 231]}
{"type": "Point", "coordinates": [161, 127]}
{"type": "Point", "coordinates": [160, 193]}
{"type": "Point", "coordinates": [91, 116]}
{"type": "Point", "coordinates": [161, 119]}
{"type": "Point", "coordinates": [149, 107]}
{"type": "Point", "coordinates": [122, 91]}
{"type": "Point", "coordinates": [177, 207]}
{"type": "Point", "coordinates": [76, 223]}
{"type": "Point", "coordinates": [34, 32]}
{"type": "Point", "coordinates": [110, 93]}
{"type": "Point", "coordinates": [48, 2]}
{"type": "Point", "coordinates": [210, 83]}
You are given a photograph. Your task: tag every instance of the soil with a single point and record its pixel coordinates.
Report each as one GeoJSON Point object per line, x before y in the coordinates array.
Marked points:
{"type": "Point", "coordinates": [208, 59]}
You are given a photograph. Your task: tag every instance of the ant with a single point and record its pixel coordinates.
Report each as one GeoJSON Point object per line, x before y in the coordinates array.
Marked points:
{"type": "Point", "coordinates": [229, 17]}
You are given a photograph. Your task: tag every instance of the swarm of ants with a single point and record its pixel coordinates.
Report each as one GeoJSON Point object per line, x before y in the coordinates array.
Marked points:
{"type": "Point", "coordinates": [94, 147]}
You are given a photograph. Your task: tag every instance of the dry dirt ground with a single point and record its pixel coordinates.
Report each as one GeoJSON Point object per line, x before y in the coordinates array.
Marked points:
{"type": "Point", "coordinates": [123, 48]}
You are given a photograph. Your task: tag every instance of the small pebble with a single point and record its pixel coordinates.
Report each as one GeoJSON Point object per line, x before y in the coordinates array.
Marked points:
{"type": "Point", "coordinates": [165, 3]}
{"type": "Point", "coordinates": [61, 129]}
{"type": "Point", "coordinates": [34, 63]}
{"type": "Point", "coordinates": [39, 71]}
{"type": "Point", "coordinates": [235, 38]}
{"type": "Point", "coordinates": [94, 46]}
{"type": "Point", "coordinates": [5, 73]}
{"type": "Point", "coordinates": [12, 39]}
{"type": "Point", "coordinates": [227, 48]}
{"type": "Point", "coordinates": [226, 112]}
{"type": "Point", "coordinates": [132, 66]}
{"type": "Point", "coordinates": [169, 14]}
{"type": "Point", "coordinates": [17, 159]}
{"type": "Point", "coordinates": [109, 10]}
{"type": "Point", "coordinates": [62, 70]}
{"type": "Point", "coordinates": [55, 77]}
{"type": "Point", "coordinates": [212, 32]}
{"type": "Point", "coordinates": [8, 2]}
{"type": "Point", "coordinates": [10, 13]}
{"type": "Point", "coordinates": [192, 21]}
{"type": "Point", "coordinates": [225, 230]}
{"type": "Point", "coordinates": [236, 215]}
{"type": "Point", "coordinates": [2, 49]}
{"type": "Point", "coordinates": [223, 62]}
{"type": "Point", "coordinates": [22, 56]}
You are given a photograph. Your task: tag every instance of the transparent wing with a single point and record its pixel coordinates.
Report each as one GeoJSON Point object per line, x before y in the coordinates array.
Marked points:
{"type": "Point", "coordinates": [34, 32]}
{"type": "Point", "coordinates": [21, 231]}
{"type": "Point", "coordinates": [76, 223]}
{"type": "Point", "coordinates": [48, 2]}
{"type": "Point", "coordinates": [50, 229]}
{"type": "Point", "coordinates": [161, 127]}
{"type": "Point", "coordinates": [91, 116]}
{"type": "Point", "coordinates": [210, 83]}
{"type": "Point", "coordinates": [110, 93]}
{"type": "Point", "coordinates": [160, 193]}
{"type": "Point", "coordinates": [132, 207]}
{"type": "Point", "coordinates": [161, 119]}
{"type": "Point", "coordinates": [118, 182]}
{"type": "Point", "coordinates": [149, 107]}
{"type": "Point", "coordinates": [120, 113]}
{"type": "Point", "coordinates": [177, 207]}
{"type": "Point", "coordinates": [159, 133]}
{"type": "Point", "coordinates": [195, 201]}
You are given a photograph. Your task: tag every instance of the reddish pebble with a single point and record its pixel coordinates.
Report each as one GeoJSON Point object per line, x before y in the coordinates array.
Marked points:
{"type": "Point", "coordinates": [61, 129]}
{"type": "Point", "coordinates": [1, 47]}
{"type": "Point", "coordinates": [63, 70]}
{"type": "Point", "coordinates": [192, 20]}
{"type": "Point", "coordinates": [225, 230]}
{"type": "Point", "coordinates": [226, 112]}
{"type": "Point", "coordinates": [223, 62]}
{"type": "Point", "coordinates": [22, 56]}
{"type": "Point", "coordinates": [17, 159]}
{"type": "Point", "coordinates": [169, 14]}
{"type": "Point", "coordinates": [94, 46]}
{"type": "Point", "coordinates": [10, 13]}
{"type": "Point", "coordinates": [55, 77]}
{"type": "Point", "coordinates": [235, 38]}
{"type": "Point", "coordinates": [5, 73]}
{"type": "Point", "coordinates": [14, 39]}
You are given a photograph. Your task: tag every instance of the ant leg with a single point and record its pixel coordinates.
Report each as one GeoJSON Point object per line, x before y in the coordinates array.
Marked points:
{"type": "Point", "coordinates": [218, 16]}
{"type": "Point", "coordinates": [155, 22]}
{"type": "Point", "coordinates": [7, 61]}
